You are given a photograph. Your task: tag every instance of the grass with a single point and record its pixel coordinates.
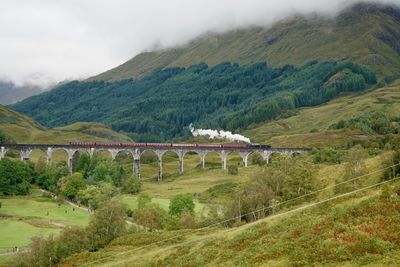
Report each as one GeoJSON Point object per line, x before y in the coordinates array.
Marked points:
{"type": "Point", "coordinates": [295, 131]}
{"type": "Point", "coordinates": [19, 233]}
{"type": "Point", "coordinates": [131, 202]}
{"type": "Point", "coordinates": [353, 231]}
{"type": "Point", "coordinates": [44, 209]}
{"type": "Point", "coordinates": [23, 217]}
{"type": "Point", "coordinates": [194, 179]}
{"type": "Point", "coordinates": [23, 129]}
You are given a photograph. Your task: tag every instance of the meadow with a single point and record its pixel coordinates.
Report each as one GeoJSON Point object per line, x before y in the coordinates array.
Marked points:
{"type": "Point", "coordinates": [23, 217]}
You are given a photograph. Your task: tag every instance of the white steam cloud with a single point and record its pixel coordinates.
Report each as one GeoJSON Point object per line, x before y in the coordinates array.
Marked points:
{"type": "Point", "coordinates": [215, 134]}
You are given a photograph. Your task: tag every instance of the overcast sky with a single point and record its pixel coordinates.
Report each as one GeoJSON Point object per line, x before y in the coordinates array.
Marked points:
{"type": "Point", "coordinates": [46, 41]}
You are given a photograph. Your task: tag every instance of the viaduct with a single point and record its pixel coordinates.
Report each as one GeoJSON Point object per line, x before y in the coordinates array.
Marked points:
{"type": "Point", "coordinates": [26, 150]}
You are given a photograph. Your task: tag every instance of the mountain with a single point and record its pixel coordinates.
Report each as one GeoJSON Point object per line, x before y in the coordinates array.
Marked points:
{"type": "Point", "coordinates": [365, 33]}
{"type": "Point", "coordinates": [229, 96]}
{"type": "Point", "coordinates": [234, 89]}
{"type": "Point", "coordinates": [23, 129]}
{"type": "Point", "coordinates": [10, 93]}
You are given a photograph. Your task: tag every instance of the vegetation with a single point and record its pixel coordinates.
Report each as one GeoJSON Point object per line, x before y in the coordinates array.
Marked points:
{"type": "Point", "coordinates": [16, 177]}
{"type": "Point", "coordinates": [22, 129]}
{"type": "Point", "coordinates": [295, 130]}
{"type": "Point", "coordinates": [181, 203]}
{"type": "Point", "coordinates": [107, 224]}
{"type": "Point", "coordinates": [371, 123]}
{"type": "Point", "coordinates": [372, 28]}
{"type": "Point", "coordinates": [225, 96]}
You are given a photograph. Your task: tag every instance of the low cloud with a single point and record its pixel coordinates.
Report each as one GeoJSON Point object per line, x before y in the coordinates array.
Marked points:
{"type": "Point", "coordinates": [47, 41]}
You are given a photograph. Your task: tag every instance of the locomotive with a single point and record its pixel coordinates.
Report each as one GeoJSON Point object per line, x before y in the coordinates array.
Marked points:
{"type": "Point", "coordinates": [162, 145]}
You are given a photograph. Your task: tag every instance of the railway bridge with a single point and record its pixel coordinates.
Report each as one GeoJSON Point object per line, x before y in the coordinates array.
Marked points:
{"type": "Point", "coordinates": [137, 150]}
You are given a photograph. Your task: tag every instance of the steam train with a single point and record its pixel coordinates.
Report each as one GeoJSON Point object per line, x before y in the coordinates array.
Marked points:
{"type": "Point", "coordinates": [167, 145]}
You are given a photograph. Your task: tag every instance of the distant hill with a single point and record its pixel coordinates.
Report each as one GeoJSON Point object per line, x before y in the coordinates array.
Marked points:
{"type": "Point", "coordinates": [22, 129]}
{"type": "Point", "coordinates": [366, 33]}
{"type": "Point", "coordinates": [10, 93]}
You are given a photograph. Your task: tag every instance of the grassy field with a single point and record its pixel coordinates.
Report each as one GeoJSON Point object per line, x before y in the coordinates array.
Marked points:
{"type": "Point", "coordinates": [19, 233]}
{"type": "Point", "coordinates": [24, 217]}
{"type": "Point", "coordinates": [43, 209]}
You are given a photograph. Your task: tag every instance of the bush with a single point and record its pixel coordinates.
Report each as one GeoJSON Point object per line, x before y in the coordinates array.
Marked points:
{"type": "Point", "coordinates": [152, 217]}
{"type": "Point", "coordinates": [327, 155]}
{"type": "Point", "coordinates": [132, 185]}
{"type": "Point", "coordinates": [143, 200]}
{"type": "Point", "coordinates": [233, 169]}
{"type": "Point", "coordinates": [181, 202]}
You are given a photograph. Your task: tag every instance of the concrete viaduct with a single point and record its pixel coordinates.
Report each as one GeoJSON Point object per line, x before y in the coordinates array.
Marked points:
{"type": "Point", "coordinates": [26, 150]}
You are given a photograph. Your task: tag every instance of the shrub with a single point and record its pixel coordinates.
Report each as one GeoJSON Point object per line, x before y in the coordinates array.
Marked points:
{"type": "Point", "coordinates": [151, 216]}
{"type": "Point", "coordinates": [233, 169]}
{"type": "Point", "coordinates": [181, 202]}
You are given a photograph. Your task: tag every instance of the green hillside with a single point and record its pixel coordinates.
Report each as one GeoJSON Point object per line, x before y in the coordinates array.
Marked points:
{"type": "Point", "coordinates": [22, 129]}
{"type": "Point", "coordinates": [309, 127]}
{"type": "Point", "coordinates": [366, 34]}
{"type": "Point", "coordinates": [229, 96]}
{"type": "Point", "coordinates": [358, 230]}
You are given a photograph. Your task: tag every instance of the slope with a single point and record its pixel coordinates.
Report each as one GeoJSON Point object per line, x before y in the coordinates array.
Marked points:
{"type": "Point", "coordinates": [309, 127]}
{"type": "Point", "coordinates": [23, 129]}
{"type": "Point", "coordinates": [357, 230]}
{"type": "Point", "coordinates": [161, 105]}
{"type": "Point", "coordinates": [365, 33]}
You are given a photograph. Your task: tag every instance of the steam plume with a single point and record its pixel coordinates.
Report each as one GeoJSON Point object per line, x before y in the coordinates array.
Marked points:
{"type": "Point", "coordinates": [215, 134]}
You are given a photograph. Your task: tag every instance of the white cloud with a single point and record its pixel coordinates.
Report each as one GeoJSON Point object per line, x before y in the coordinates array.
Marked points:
{"type": "Point", "coordinates": [45, 41]}
{"type": "Point", "coordinates": [215, 134]}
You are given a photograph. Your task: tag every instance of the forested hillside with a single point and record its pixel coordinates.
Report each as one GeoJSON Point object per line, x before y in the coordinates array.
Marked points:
{"type": "Point", "coordinates": [365, 33]}
{"type": "Point", "coordinates": [229, 96]}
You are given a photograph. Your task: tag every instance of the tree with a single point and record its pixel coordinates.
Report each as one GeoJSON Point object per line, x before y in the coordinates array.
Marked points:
{"type": "Point", "coordinates": [233, 169]}
{"type": "Point", "coordinates": [355, 167]}
{"type": "Point", "coordinates": [16, 177]}
{"type": "Point", "coordinates": [108, 171]}
{"type": "Point", "coordinates": [51, 176]}
{"type": "Point", "coordinates": [42, 253]}
{"type": "Point", "coordinates": [84, 164]}
{"type": "Point", "coordinates": [71, 185]}
{"type": "Point", "coordinates": [3, 138]}
{"type": "Point", "coordinates": [107, 224]}
{"type": "Point", "coordinates": [151, 216]}
{"type": "Point", "coordinates": [283, 179]}
{"type": "Point", "coordinates": [392, 165]}
{"type": "Point", "coordinates": [94, 195]}
{"type": "Point", "coordinates": [143, 200]}
{"type": "Point", "coordinates": [132, 185]}
{"type": "Point", "coordinates": [72, 240]}
{"type": "Point", "coordinates": [181, 202]}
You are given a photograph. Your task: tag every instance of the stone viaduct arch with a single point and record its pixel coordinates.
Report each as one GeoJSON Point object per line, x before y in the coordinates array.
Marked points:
{"type": "Point", "coordinates": [26, 150]}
